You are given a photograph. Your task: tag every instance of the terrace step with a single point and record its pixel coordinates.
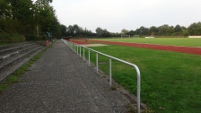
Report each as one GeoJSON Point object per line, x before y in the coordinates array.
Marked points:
{"type": "Point", "coordinates": [14, 48]}
{"type": "Point", "coordinates": [16, 51]}
{"type": "Point", "coordinates": [12, 57]}
{"type": "Point", "coordinates": [12, 45]}
{"type": "Point", "coordinates": [7, 61]}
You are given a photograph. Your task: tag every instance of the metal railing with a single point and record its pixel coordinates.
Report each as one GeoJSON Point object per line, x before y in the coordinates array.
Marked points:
{"type": "Point", "coordinates": [80, 50]}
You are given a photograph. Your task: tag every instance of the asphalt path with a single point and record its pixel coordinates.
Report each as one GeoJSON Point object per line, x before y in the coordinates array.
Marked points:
{"type": "Point", "coordinates": [61, 82]}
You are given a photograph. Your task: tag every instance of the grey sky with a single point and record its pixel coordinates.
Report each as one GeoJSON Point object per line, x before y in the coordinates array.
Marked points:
{"type": "Point", "coordinates": [114, 15]}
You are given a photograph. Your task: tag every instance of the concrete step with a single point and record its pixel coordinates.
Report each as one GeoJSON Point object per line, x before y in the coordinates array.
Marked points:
{"type": "Point", "coordinates": [10, 64]}
{"type": "Point", "coordinates": [17, 51]}
{"type": "Point", "coordinates": [15, 56]}
{"type": "Point", "coordinates": [10, 60]}
{"type": "Point", "coordinates": [12, 45]}
{"type": "Point", "coordinates": [14, 48]}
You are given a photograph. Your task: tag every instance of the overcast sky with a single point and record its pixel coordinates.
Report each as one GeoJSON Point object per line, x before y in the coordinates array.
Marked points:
{"type": "Point", "coordinates": [115, 15]}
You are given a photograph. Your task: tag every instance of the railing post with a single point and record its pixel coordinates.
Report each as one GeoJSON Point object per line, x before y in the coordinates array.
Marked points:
{"type": "Point", "coordinates": [74, 48]}
{"type": "Point", "coordinates": [97, 63]}
{"type": "Point", "coordinates": [110, 71]}
{"type": "Point", "coordinates": [77, 49]}
{"type": "Point", "coordinates": [138, 92]}
{"type": "Point", "coordinates": [89, 56]}
{"type": "Point", "coordinates": [80, 51]}
{"type": "Point", "coordinates": [138, 88]}
{"type": "Point", "coordinates": [83, 53]}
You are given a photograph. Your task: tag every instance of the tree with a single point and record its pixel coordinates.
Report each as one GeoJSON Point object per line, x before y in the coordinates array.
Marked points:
{"type": "Point", "coordinates": [102, 32]}
{"type": "Point", "coordinates": [131, 33]}
{"type": "Point", "coordinates": [63, 31]}
{"type": "Point", "coordinates": [89, 33]}
{"type": "Point", "coordinates": [162, 30]}
{"type": "Point", "coordinates": [77, 31]}
{"type": "Point", "coordinates": [184, 31]}
{"type": "Point", "coordinates": [24, 15]}
{"type": "Point", "coordinates": [153, 30]}
{"type": "Point", "coordinates": [5, 13]}
{"type": "Point", "coordinates": [17, 15]}
{"type": "Point", "coordinates": [177, 29]}
{"type": "Point", "coordinates": [138, 31]}
{"type": "Point", "coordinates": [25, 18]}
{"type": "Point", "coordinates": [43, 2]}
{"type": "Point", "coordinates": [170, 30]}
{"type": "Point", "coordinates": [124, 31]}
{"type": "Point", "coordinates": [99, 32]}
{"type": "Point", "coordinates": [5, 9]}
{"type": "Point", "coordinates": [144, 30]}
{"type": "Point", "coordinates": [45, 19]}
{"type": "Point", "coordinates": [195, 29]}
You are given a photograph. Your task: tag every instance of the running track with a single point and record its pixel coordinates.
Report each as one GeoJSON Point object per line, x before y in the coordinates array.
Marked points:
{"type": "Point", "coordinates": [189, 50]}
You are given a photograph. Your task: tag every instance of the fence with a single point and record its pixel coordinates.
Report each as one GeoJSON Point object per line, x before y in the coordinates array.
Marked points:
{"type": "Point", "coordinates": [80, 50]}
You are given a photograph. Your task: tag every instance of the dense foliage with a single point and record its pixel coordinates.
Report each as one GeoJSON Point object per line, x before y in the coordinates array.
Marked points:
{"type": "Point", "coordinates": [22, 20]}
{"type": "Point", "coordinates": [164, 30]}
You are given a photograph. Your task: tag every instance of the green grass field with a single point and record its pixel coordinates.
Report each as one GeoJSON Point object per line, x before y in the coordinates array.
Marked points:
{"type": "Point", "coordinates": [170, 81]}
{"type": "Point", "coordinates": [163, 41]}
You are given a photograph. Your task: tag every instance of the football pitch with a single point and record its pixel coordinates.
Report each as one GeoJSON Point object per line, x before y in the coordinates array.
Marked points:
{"type": "Point", "coordinates": [170, 81]}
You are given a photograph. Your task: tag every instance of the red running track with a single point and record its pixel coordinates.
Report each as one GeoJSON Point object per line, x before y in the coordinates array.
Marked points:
{"type": "Point", "coordinates": [189, 50]}
{"type": "Point", "coordinates": [80, 41]}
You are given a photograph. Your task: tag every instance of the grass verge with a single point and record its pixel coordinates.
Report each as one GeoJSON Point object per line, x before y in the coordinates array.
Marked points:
{"type": "Point", "coordinates": [14, 77]}
{"type": "Point", "coordinates": [170, 81]}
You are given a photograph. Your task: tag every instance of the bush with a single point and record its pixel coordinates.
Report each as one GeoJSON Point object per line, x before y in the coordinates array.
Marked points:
{"type": "Point", "coordinates": [11, 38]}
{"type": "Point", "coordinates": [4, 37]}
{"type": "Point", "coordinates": [35, 38]}
{"type": "Point", "coordinates": [18, 38]}
{"type": "Point", "coordinates": [31, 37]}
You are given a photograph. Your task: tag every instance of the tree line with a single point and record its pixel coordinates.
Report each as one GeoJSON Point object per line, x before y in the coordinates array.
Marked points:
{"type": "Point", "coordinates": [77, 31]}
{"type": "Point", "coordinates": [22, 20]}
{"type": "Point", "coordinates": [164, 30]}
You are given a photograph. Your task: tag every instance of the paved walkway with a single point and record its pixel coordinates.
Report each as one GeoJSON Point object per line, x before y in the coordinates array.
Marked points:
{"type": "Point", "coordinates": [61, 82]}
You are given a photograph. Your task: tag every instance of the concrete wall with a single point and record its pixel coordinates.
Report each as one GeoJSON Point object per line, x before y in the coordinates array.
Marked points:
{"type": "Point", "coordinates": [194, 36]}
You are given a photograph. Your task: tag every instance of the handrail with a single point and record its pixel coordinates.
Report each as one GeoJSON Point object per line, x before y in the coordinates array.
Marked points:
{"type": "Point", "coordinates": [78, 49]}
